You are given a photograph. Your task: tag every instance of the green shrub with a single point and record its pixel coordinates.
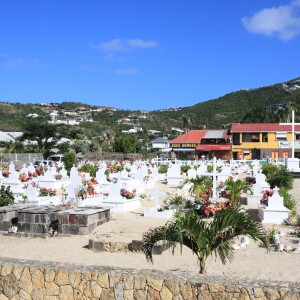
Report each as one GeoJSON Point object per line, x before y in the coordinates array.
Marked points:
{"type": "Point", "coordinates": [271, 233]}
{"type": "Point", "coordinates": [163, 169]}
{"type": "Point", "coordinates": [69, 159]}
{"type": "Point", "coordinates": [184, 169]}
{"type": "Point", "coordinates": [288, 200]}
{"type": "Point", "coordinates": [6, 196]}
{"type": "Point", "coordinates": [175, 200]}
{"type": "Point", "coordinates": [87, 168]}
{"type": "Point", "coordinates": [278, 176]}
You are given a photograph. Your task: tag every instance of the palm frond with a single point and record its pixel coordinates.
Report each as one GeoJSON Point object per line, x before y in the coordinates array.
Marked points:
{"type": "Point", "coordinates": [173, 233]}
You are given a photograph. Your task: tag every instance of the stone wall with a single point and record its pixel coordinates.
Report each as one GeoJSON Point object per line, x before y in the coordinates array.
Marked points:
{"type": "Point", "coordinates": [20, 279]}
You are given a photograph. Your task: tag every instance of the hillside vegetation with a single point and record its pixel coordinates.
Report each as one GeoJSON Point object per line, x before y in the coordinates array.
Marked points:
{"type": "Point", "coordinates": [239, 106]}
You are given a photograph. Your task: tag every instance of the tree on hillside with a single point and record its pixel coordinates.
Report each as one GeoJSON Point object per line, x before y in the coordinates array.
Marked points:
{"type": "Point", "coordinates": [43, 133]}
{"type": "Point", "coordinates": [125, 144]}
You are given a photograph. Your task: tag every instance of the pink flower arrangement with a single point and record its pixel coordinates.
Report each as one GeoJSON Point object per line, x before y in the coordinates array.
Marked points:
{"type": "Point", "coordinates": [128, 194]}
{"type": "Point", "coordinates": [23, 177]}
{"type": "Point", "coordinates": [266, 195]}
{"type": "Point", "coordinates": [47, 192]}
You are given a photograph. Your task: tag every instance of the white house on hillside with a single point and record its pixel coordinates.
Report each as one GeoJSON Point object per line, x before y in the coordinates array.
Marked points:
{"type": "Point", "coordinates": [9, 136]}
{"type": "Point", "coordinates": [160, 143]}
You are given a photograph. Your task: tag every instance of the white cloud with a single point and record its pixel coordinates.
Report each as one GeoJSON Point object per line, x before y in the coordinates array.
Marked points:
{"type": "Point", "coordinates": [13, 64]}
{"type": "Point", "coordinates": [122, 45]}
{"type": "Point", "coordinates": [282, 21]}
{"type": "Point", "coordinates": [115, 45]}
{"type": "Point", "coordinates": [138, 43]}
{"type": "Point", "coordinates": [21, 62]}
{"type": "Point", "coordinates": [126, 72]}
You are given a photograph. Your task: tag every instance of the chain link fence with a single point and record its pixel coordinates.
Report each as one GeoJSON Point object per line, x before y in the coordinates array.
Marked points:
{"type": "Point", "coordinates": [19, 158]}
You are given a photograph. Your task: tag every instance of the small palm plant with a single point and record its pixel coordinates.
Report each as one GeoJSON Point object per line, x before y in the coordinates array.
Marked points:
{"type": "Point", "coordinates": [204, 238]}
{"type": "Point", "coordinates": [199, 185]}
{"type": "Point", "coordinates": [235, 189]}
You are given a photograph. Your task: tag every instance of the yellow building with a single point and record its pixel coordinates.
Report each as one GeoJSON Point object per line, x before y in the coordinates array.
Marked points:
{"type": "Point", "coordinates": [261, 140]}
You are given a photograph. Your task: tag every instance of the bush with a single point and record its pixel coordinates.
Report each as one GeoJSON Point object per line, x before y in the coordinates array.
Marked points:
{"type": "Point", "coordinates": [69, 160]}
{"type": "Point", "coordinates": [278, 176]}
{"type": "Point", "coordinates": [87, 168]}
{"type": "Point", "coordinates": [163, 169]}
{"type": "Point", "coordinates": [6, 196]}
{"type": "Point", "coordinates": [184, 169]}
{"type": "Point", "coordinates": [288, 201]}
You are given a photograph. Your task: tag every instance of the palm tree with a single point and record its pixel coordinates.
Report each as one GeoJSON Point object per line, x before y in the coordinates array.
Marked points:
{"type": "Point", "coordinates": [198, 185]}
{"type": "Point", "coordinates": [235, 189]}
{"type": "Point", "coordinates": [206, 238]}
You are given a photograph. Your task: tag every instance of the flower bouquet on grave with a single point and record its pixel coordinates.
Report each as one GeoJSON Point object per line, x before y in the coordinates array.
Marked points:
{"type": "Point", "coordinates": [40, 170]}
{"type": "Point", "coordinates": [58, 176]}
{"type": "Point", "coordinates": [43, 192]}
{"type": "Point", "coordinates": [52, 192]}
{"type": "Point", "coordinates": [146, 178]}
{"type": "Point", "coordinates": [82, 192]}
{"type": "Point", "coordinates": [128, 194]}
{"type": "Point", "coordinates": [211, 208]}
{"type": "Point", "coordinates": [266, 195]}
{"type": "Point", "coordinates": [23, 177]}
{"type": "Point", "coordinates": [5, 172]}
{"type": "Point", "coordinates": [90, 187]}
{"type": "Point", "coordinates": [33, 184]}
{"type": "Point", "coordinates": [32, 174]}
{"type": "Point", "coordinates": [94, 181]}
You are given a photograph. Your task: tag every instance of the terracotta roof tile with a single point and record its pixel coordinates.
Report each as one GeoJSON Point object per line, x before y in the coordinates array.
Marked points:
{"type": "Point", "coordinates": [193, 136]}
{"type": "Point", "coordinates": [262, 127]}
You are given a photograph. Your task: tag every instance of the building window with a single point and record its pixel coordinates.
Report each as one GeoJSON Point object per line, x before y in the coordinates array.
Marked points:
{"type": "Point", "coordinates": [264, 137]}
{"type": "Point", "coordinates": [236, 139]}
{"type": "Point", "coordinates": [281, 136]}
{"type": "Point", "coordinates": [251, 137]}
{"type": "Point", "coordinates": [285, 154]}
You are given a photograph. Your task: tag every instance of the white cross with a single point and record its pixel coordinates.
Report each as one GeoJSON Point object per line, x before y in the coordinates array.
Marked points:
{"type": "Point", "coordinates": [214, 175]}
{"type": "Point", "coordinates": [293, 132]}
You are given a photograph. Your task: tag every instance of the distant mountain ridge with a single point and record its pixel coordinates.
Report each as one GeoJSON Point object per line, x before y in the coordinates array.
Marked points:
{"type": "Point", "coordinates": [239, 106]}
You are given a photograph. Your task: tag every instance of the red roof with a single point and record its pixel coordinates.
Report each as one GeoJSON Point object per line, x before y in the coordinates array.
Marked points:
{"type": "Point", "coordinates": [262, 127]}
{"type": "Point", "coordinates": [214, 147]}
{"type": "Point", "coordinates": [193, 136]}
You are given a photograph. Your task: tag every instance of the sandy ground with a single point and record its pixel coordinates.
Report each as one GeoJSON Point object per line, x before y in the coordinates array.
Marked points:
{"type": "Point", "coordinates": [251, 262]}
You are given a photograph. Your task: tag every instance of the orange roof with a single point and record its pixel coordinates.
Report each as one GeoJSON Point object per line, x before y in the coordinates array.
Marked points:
{"type": "Point", "coordinates": [193, 136]}
{"type": "Point", "coordinates": [262, 127]}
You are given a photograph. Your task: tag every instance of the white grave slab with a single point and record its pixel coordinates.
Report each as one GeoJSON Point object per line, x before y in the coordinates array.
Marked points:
{"type": "Point", "coordinates": [119, 203]}
{"type": "Point", "coordinates": [173, 175]}
{"type": "Point", "coordinates": [275, 212]}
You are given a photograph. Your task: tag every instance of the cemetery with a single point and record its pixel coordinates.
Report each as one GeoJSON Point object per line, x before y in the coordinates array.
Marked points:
{"type": "Point", "coordinates": [110, 211]}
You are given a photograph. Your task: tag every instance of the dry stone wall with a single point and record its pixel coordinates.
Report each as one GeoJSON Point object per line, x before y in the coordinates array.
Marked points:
{"type": "Point", "coordinates": [35, 280]}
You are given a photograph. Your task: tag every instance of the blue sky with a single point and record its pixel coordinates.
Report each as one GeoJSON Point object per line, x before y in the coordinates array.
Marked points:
{"type": "Point", "coordinates": [144, 54]}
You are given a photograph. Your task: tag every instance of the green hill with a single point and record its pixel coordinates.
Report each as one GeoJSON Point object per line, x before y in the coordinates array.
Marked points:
{"type": "Point", "coordinates": [239, 106]}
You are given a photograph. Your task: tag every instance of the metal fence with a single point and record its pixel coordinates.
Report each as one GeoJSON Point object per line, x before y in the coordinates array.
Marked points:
{"type": "Point", "coordinates": [19, 158]}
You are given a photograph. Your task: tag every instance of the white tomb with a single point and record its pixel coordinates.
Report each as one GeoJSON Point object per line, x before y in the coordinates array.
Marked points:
{"type": "Point", "coordinates": [261, 179]}
{"type": "Point", "coordinates": [16, 186]}
{"type": "Point", "coordinates": [119, 203]}
{"type": "Point", "coordinates": [173, 175]}
{"type": "Point", "coordinates": [154, 212]}
{"type": "Point", "coordinates": [34, 198]}
{"type": "Point", "coordinates": [255, 198]}
{"type": "Point", "coordinates": [275, 212]}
